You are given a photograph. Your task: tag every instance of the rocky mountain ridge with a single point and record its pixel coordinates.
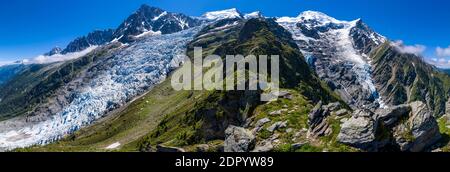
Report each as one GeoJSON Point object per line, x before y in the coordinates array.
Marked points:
{"type": "Point", "coordinates": [343, 89]}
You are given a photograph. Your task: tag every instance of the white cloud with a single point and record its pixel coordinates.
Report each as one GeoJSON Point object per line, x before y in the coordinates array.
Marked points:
{"type": "Point", "coordinates": [60, 57]}
{"type": "Point", "coordinates": [410, 49]}
{"type": "Point", "coordinates": [3, 63]}
{"type": "Point", "coordinates": [443, 52]}
{"type": "Point", "coordinates": [439, 62]}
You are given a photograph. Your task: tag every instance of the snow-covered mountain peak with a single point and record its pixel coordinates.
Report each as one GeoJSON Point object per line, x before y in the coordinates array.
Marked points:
{"type": "Point", "coordinates": [55, 50]}
{"type": "Point", "coordinates": [317, 16]}
{"type": "Point", "coordinates": [256, 14]}
{"type": "Point", "coordinates": [222, 14]}
{"type": "Point", "coordinates": [344, 46]}
{"type": "Point", "coordinates": [149, 20]}
{"type": "Point", "coordinates": [316, 19]}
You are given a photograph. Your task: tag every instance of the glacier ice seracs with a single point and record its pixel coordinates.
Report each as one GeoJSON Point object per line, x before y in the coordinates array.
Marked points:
{"type": "Point", "coordinates": [132, 71]}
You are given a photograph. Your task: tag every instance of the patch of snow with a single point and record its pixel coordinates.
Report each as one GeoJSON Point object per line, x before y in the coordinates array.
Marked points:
{"type": "Point", "coordinates": [319, 17]}
{"type": "Point", "coordinates": [159, 16]}
{"type": "Point", "coordinates": [221, 28]}
{"type": "Point", "coordinates": [148, 33]}
{"type": "Point", "coordinates": [223, 14]}
{"type": "Point", "coordinates": [116, 39]}
{"type": "Point", "coordinates": [113, 146]}
{"type": "Point", "coordinates": [182, 23]}
{"type": "Point", "coordinates": [251, 15]}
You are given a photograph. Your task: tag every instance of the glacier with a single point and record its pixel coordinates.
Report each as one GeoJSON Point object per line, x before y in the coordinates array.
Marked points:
{"type": "Point", "coordinates": [330, 41]}
{"type": "Point", "coordinates": [131, 71]}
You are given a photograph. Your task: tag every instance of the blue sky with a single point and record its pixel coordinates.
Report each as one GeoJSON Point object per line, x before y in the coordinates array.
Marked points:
{"type": "Point", "coordinates": [31, 27]}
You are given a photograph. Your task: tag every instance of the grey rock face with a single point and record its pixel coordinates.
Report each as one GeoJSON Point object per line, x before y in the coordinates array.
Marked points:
{"type": "Point", "coordinates": [54, 51]}
{"type": "Point", "coordinates": [337, 51]}
{"type": "Point", "coordinates": [264, 146]}
{"type": "Point", "coordinates": [421, 127]}
{"type": "Point", "coordinates": [391, 115]}
{"type": "Point", "coordinates": [316, 115]}
{"type": "Point", "coordinates": [148, 18]}
{"type": "Point", "coordinates": [447, 107]}
{"type": "Point", "coordinates": [341, 112]}
{"type": "Point", "coordinates": [364, 37]}
{"type": "Point", "coordinates": [238, 139]}
{"type": "Point", "coordinates": [98, 37]}
{"type": "Point", "coordinates": [332, 106]}
{"type": "Point", "coordinates": [359, 131]}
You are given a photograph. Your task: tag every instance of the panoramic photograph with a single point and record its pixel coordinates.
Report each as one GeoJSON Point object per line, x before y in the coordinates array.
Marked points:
{"type": "Point", "coordinates": [225, 76]}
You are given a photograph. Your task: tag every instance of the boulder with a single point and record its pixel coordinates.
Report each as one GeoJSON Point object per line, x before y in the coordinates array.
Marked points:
{"type": "Point", "coordinates": [261, 122]}
{"type": "Point", "coordinates": [264, 146]}
{"type": "Point", "coordinates": [359, 131]}
{"type": "Point", "coordinates": [341, 112]}
{"type": "Point", "coordinates": [391, 115]}
{"type": "Point", "coordinates": [277, 125]}
{"type": "Point", "coordinates": [409, 127]}
{"type": "Point", "coordinates": [238, 139]}
{"type": "Point", "coordinates": [420, 131]}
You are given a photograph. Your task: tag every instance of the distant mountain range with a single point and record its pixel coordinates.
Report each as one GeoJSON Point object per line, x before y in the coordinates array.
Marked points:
{"type": "Point", "coordinates": [344, 87]}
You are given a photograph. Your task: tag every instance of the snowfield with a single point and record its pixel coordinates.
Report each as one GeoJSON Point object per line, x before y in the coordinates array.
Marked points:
{"type": "Point", "coordinates": [130, 72]}
{"type": "Point", "coordinates": [223, 14]}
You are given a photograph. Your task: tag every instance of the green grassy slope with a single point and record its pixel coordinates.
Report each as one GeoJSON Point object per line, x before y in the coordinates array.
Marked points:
{"type": "Point", "coordinates": [404, 78]}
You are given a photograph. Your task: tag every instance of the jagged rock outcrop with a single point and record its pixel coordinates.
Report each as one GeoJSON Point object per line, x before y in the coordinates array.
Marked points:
{"type": "Point", "coordinates": [98, 37]}
{"type": "Point", "coordinates": [404, 128]}
{"type": "Point", "coordinates": [238, 139]}
{"type": "Point", "coordinates": [54, 51]}
{"type": "Point", "coordinates": [419, 131]}
{"type": "Point", "coordinates": [318, 125]}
